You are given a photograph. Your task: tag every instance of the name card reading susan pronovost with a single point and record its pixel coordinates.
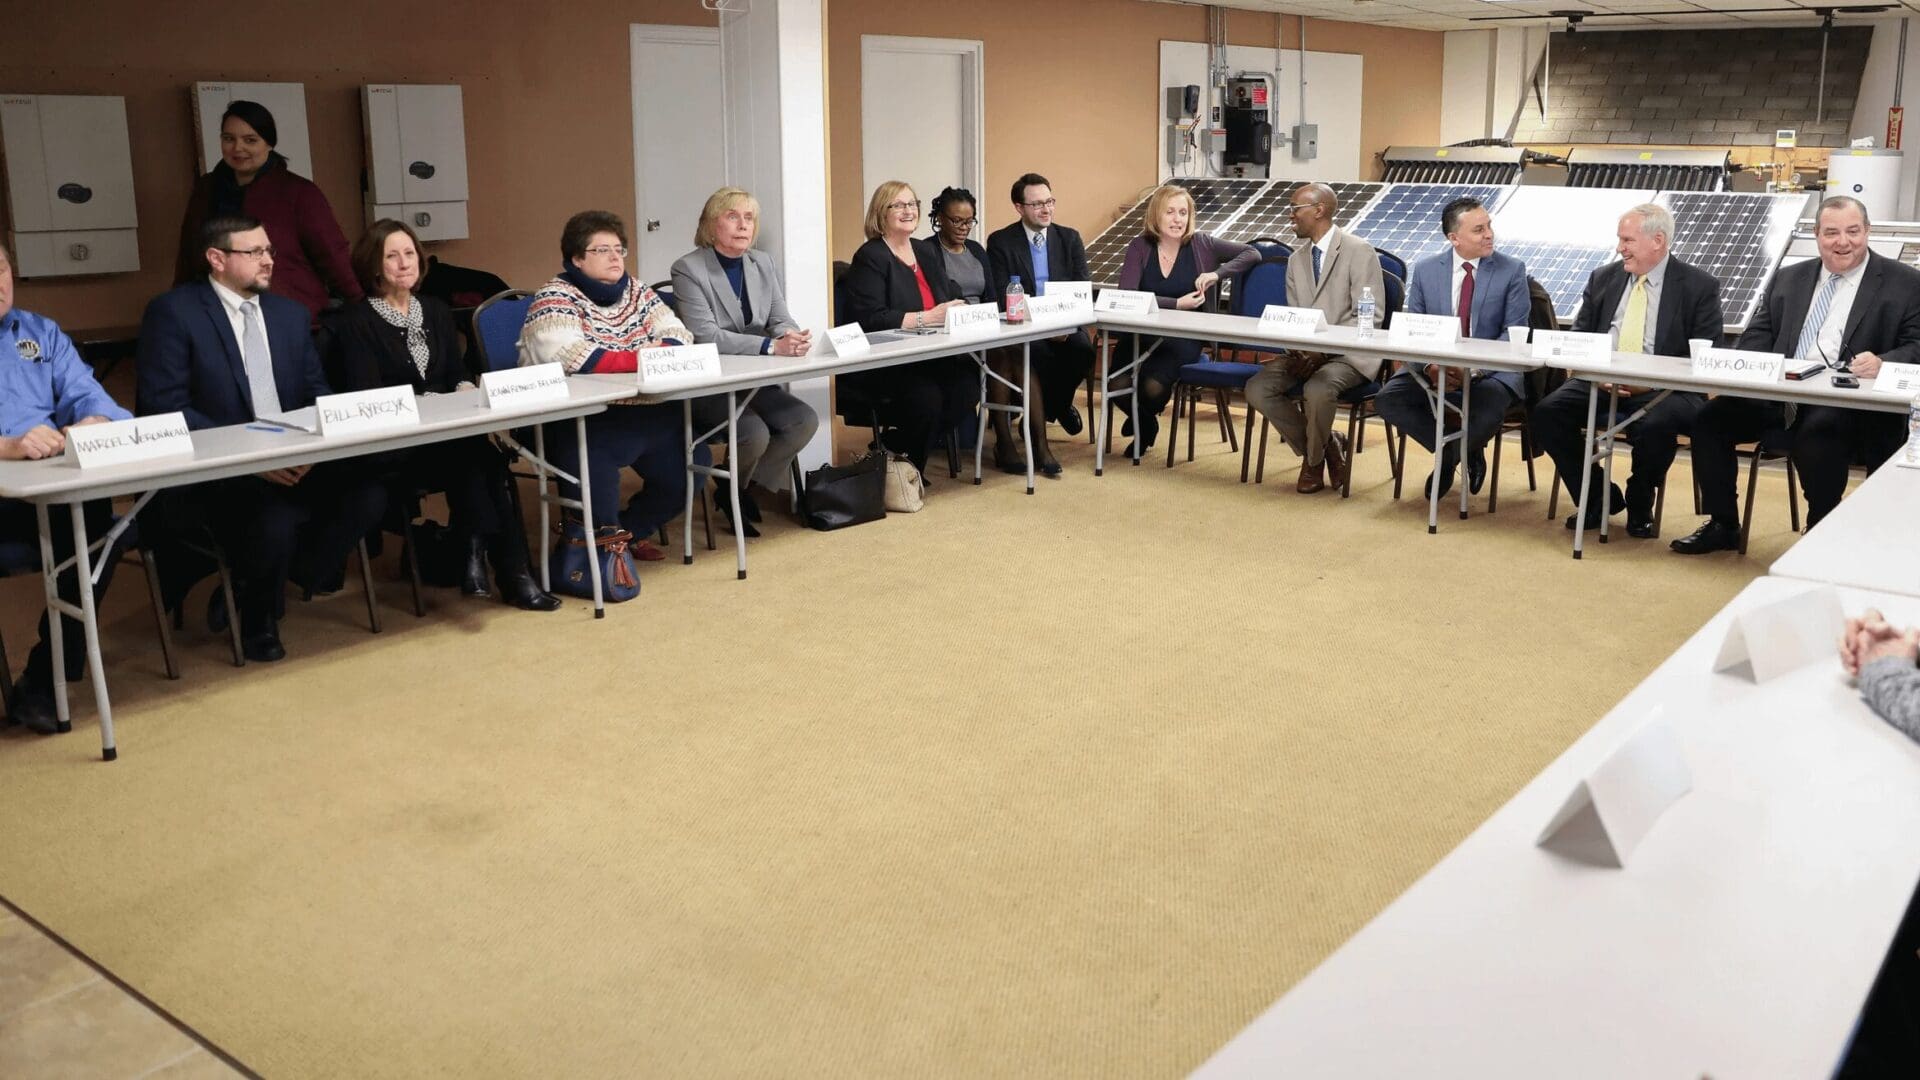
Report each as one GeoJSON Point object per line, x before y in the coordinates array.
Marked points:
{"type": "Point", "coordinates": [849, 340]}
{"type": "Point", "coordinates": [671, 367]}
{"type": "Point", "coordinates": [1281, 319]}
{"type": "Point", "coordinates": [967, 322]}
{"type": "Point", "coordinates": [1058, 309]}
{"type": "Point", "coordinates": [1083, 290]}
{"type": "Point", "coordinates": [1127, 302]}
{"type": "Point", "coordinates": [522, 387]}
{"type": "Point", "coordinates": [1775, 638]}
{"type": "Point", "coordinates": [1409, 328]}
{"type": "Point", "coordinates": [1617, 805]}
{"type": "Point", "coordinates": [1900, 380]}
{"type": "Point", "coordinates": [1740, 365]}
{"type": "Point", "coordinates": [117, 442]}
{"type": "Point", "coordinates": [1563, 345]}
{"type": "Point", "coordinates": [367, 410]}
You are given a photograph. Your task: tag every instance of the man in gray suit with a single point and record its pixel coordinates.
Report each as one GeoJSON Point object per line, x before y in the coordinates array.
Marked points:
{"type": "Point", "coordinates": [1326, 272]}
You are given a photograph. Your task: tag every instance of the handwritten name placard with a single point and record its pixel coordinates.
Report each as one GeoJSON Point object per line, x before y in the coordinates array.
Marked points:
{"type": "Point", "coordinates": [674, 366]}
{"type": "Point", "coordinates": [1083, 290]}
{"type": "Point", "coordinates": [118, 442]}
{"type": "Point", "coordinates": [1900, 380]}
{"type": "Point", "coordinates": [848, 340]}
{"type": "Point", "coordinates": [1565, 345]}
{"type": "Point", "coordinates": [968, 322]}
{"type": "Point", "coordinates": [367, 410]}
{"type": "Point", "coordinates": [1058, 309]}
{"type": "Point", "coordinates": [1411, 329]}
{"type": "Point", "coordinates": [1127, 302]}
{"type": "Point", "coordinates": [519, 388]}
{"type": "Point", "coordinates": [1280, 319]}
{"type": "Point", "coordinates": [1740, 365]}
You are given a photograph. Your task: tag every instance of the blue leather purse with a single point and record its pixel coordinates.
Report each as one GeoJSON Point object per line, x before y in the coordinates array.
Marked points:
{"type": "Point", "coordinates": [571, 574]}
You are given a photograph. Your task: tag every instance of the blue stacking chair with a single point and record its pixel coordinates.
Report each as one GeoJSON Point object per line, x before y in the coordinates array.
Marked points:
{"type": "Point", "coordinates": [1391, 263]}
{"type": "Point", "coordinates": [1263, 283]}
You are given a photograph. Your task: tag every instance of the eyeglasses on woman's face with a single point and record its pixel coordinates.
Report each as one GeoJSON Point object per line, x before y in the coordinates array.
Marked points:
{"type": "Point", "coordinates": [959, 224]}
{"type": "Point", "coordinates": [904, 207]}
{"type": "Point", "coordinates": [617, 251]}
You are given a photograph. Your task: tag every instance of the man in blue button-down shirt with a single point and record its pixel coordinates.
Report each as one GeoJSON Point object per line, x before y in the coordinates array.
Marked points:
{"type": "Point", "coordinates": [45, 388]}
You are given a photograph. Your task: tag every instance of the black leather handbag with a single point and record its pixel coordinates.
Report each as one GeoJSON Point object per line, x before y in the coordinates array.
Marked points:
{"type": "Point", "coordinates": [839, 496]}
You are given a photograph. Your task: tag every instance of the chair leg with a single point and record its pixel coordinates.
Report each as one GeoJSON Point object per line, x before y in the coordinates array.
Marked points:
{"type": "Point", "coordinates": [1225, 406]}
{"type": "Point", "coordinates": [1493, 492]}
{"type": "Point", "coordinates": [159, 618]}
{"type": "Point", "coordinates": [233, 609]}
{"type": "Point", "coordinates": [1246, 444]}
{"type": "Point", "coordinates": [953, 455]}
{"type": "Point", "coordinates": [1526, 450]}
{"type": "Point", "coordinates": [706, 516]}
{"type": "Point", "coordinates": [1793, 495]}
{"type": "Point", "coordinates": [1173, 434]}
{"type": "Point", "coordinates": [1090, 406]}
{"type": "Point", "coordinates": [1396, 458]}
{"type": "Point", "coordinates": [1553, 497]}
{"type": "Point", "coordinates": [1399, 475]}
{"type": "Point", "coordinates": [1353, 426]}
{"type": "Point", "coordinates": [413, 563]}
{"type": "Point", "coordinates": [1193, 418]}
{"type": "Point", "coordinates": [6, 680]}
{"type": "Point", "coordinates": [1746, 517]}
{"type": "Point", "coordinates": [1659, 507]}
{"type": "Point", "coordinates": [366, 582]}
{"type": "Point", "coordinates": [1260, 470]}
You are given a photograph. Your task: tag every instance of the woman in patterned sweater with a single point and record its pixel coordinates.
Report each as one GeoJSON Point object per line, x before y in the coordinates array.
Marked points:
{"type": "Point", "coordinates": [592, 320]}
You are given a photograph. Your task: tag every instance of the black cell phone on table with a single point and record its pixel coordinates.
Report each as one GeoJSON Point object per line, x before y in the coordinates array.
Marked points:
{"type": "Point", "coordinates": [1844, 381]}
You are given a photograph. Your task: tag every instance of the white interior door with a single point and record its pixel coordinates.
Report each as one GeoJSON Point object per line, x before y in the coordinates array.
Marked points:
{"type": "Point", "coordinates": [920, 114]}
{"type": "Point", "coordinates": [679, 144]}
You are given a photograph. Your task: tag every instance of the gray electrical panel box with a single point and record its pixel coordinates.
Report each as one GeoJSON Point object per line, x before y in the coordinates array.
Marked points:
{"type": "Point", "coordinates": [1306, 142]}
{"type": "Point", "coordinates": [1183, 101]}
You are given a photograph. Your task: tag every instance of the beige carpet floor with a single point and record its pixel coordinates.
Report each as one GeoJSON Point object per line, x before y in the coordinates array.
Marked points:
{"type": "Point", "coordinates": [1065, 785]}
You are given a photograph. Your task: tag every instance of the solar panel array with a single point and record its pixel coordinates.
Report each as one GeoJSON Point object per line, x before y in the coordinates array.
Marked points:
{"type": "Point", "coordinates": [1406, 220]}
{"type": "Point", "coordinates": [1215, 201]}
{"type": "Point", "coordinates": [1736, 237]}
{"type": "Point", "coordinates": [1268, 214]}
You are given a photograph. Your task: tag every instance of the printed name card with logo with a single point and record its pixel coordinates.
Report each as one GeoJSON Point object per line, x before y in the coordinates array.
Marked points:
{"type": "Point", "coordinates": [1127, 302]}
{"type": "Point", "coordinates": [1083, 290]}
{"type": "Point", "coordinates": [119, 442]}
{"type": "Point", "coordinates": [1571, 345]}
{"type": "Point", "coordinates": [1280, 319]}
{"type": "Point", "coordinates": [367, 410]}
{"type": "Point", "coordinates": [1900, 380]}
{"type": "Point", "coordinates": [849, 340]}
{"type": "Point", "coordinates": [1411, 329]}
{"type": "Point", "coordinates": [1617, 805]}
{"type": "Point", "coordinates": [674, 366]}
{"type": "Point", "coordinates": [1058, 309]}
{"type": "Point", "coordinates": [1740, 365]}
{"type": "Point", "coordinates": [969, 322]}
{"type": "Point", "coordinates": [520, 388]}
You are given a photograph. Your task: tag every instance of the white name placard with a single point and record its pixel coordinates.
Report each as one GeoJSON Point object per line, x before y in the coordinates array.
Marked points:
{"type": "Point", "coordinates": [1614, 808]}
{"type": "Point", "coordinates": [675, 366]}
{"type": "Point", "coordinates": [367, 410]}
{"type": "Point", "coordinates": [117, 442]}
{"type": "Point", "coordinates": [968, 322]}
{"type": "Point", "coordinates": [1900, 380]}
{"type": "Point", "coordinates": [1127, 302]}
{"type": "Point", "coordinates": [848, 340]}
{"type": "Point", "coordinates": [1409, 328]}
{"type": "Point", "coordinates": [1081, 289]}
{"type": "Point", "coordinates": [1566, 345]}
{"type": "Point", "coordinates": [1776, 638]}
{"type": "Point", "coordinates": [1280, 319]}
{"type": "Point", "coordinates": [1058, 309]}
{"type": "Point", "coordinates": [1740, 365]}
{"type": "Point", "coordinates": [518, 388]}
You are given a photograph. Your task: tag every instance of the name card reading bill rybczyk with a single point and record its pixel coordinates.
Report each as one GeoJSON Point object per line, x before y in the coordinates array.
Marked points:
{"type": "Point", "coordinates": [1425, 329]}
{"type": "Point", "coordinates": [966, 322]}
{"type": "Point", "coordinates": [119, 442]}
{"type": "Point", "coordinates": [1572, 345]}
{"type": "Point", "coordinates": [1740, 365]}
{"type": "Point", "coordinates": [1127, 302]}
{"type": "Point", "coordinates": [520, 388]}
{"type": "Point", "coordinates": [1281, 319]}
{"type": "Point", "coordinates": [367, 410]}
{"type": "Point", "coordinates": [674, 366]}
{"type": "Point", "coordinates": [849, 340]}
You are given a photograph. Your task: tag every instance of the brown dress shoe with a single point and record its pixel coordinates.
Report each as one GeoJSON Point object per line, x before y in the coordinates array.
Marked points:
{"type": "Point", "coordinates": [1337, 460]}
{"type": "Point", "coordinates": [1309, 481]}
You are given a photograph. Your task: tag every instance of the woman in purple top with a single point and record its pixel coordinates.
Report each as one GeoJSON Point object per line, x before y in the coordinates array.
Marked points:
{"type": "Point", "coordinates": [1182, 268]}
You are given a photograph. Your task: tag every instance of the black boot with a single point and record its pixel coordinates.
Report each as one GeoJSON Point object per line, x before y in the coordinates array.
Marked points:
{"type": "Point", "coordinates": [473, 577]}
{"type": "Point", "coordinates": [722, 508]}
{"type": "Point", "coordinates": [512, 573]}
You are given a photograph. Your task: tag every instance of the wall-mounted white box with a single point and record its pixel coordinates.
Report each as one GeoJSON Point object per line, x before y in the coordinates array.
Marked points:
{"type": "Point", "coordinates": [417, 158]}
{"type": "Point", "coordinates": [69, 184]}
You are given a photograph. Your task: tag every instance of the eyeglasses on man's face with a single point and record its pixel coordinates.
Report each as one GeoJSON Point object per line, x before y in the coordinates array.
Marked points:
{"type": "Point", "coordinates": [252, 253]}
{"type": "Point", "coordinates": [1300, 207]}
{"type": "Point", "coordinates": [618, 251]}
{"type": "Point", "coordinates": [1043, 204]}
{"type": "Point", "coordinates": [904, 207]}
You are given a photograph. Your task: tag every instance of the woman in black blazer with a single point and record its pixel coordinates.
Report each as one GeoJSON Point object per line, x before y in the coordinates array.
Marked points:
{"type": "Point", "coordinates": [962, 258]}
{"type": "Point", "coordinates": [897, 282]}
{"type": "Point", "coordinates": [395, 338]}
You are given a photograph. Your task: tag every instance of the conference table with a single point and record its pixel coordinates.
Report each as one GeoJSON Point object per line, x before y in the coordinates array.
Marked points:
{"type": "Point", "coordinates": [1870, 541]}
{"type": "Point", "coordinates": [247, 449]}
{"type": "Point", "coordinates": [1739, 939]}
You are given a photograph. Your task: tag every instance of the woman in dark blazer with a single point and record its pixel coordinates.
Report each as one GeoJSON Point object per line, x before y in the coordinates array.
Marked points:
{"type": "Point", "coordinates": [395, 338]}
{"type": "Point", "coordinates": [898, 283]}
{"type": "Point", "coordinates": [961, 257]}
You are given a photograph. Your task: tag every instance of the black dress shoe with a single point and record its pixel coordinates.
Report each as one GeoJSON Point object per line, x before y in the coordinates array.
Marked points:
{"type": "Point", "coordinates": [1476, 471]}
{"type": "Point", "coordinates": [520, 590]}
{"type": "Point", "coordinates": [1640, 527]}
{"type": "Point", "coordinates": [473, 575]}
{"type": "Point", "coordinates": [1616, 502]}
{"type": "Point", "coordinates": [1713, 536]}
{"type": "Point", "coordinates": [34, 710]}
{"type": "Point", "coordinates": [1051, 470]}
{"type": "Point", "coordinates": [746, 526]}
{"type": "Point", "coordinates": [748, 507]}
{"type": "Point", "coordinates": [263, 647]}
{"type": "Point", "coordinates": [1070, 422]}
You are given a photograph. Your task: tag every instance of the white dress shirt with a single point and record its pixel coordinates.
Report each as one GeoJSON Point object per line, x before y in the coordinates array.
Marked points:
{"type": "Point", "coordinates": [1656, 278]}
{"type": "Point", "coordinates": [233, 302]}
{"type": "Point", "coordinates": [1459, 278]}
{"type": "Point", "coordinates": [1835, 328]}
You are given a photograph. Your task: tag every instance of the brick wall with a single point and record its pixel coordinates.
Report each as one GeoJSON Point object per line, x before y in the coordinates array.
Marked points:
{"type": "Point", "coordinates": [1696, 87]}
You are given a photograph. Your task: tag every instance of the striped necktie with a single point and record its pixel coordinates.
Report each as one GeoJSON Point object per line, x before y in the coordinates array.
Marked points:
{"type": "Point", "coordinates": [1817, 318]}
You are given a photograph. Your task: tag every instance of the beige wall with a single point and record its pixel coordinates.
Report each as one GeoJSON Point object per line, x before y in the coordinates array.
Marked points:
{"type": "Point", "coordinates": [1106, 55]}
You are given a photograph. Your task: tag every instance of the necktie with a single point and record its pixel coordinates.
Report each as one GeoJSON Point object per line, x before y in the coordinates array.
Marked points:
{"type": "Point", "coordinates": [1039, 263]}
{"type": "Point", "coordinates": [1316, 264]}
{"type": "Point", "coordinates": [1465, 306]}
{"type": "Point", "coordinates": [1817, 317]}
{"type": "Point", "coordinates": [258, 360]}
{"type": "Point", "coordinates": [1633, 323]}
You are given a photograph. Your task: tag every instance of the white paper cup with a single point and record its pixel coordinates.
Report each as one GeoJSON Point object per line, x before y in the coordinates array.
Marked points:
{"type": "Point", "coordinates": [1697, 347]}
{"type": "Point", "coordinates": [1517, 338]}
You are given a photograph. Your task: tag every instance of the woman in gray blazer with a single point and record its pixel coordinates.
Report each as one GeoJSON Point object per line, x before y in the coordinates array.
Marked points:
{"type": "Point", "coordinates": [729, 294]}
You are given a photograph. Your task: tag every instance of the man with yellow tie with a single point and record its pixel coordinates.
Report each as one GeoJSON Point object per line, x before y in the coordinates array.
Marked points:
{"type": "Point", "coordinates": [1651, 302]}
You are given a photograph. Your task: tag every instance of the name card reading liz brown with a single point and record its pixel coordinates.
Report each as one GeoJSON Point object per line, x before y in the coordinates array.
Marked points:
{"type": "Point", "coordinates": [367, 410]}
{"type": "Point", "coordinates": [674, 367]}
{"type": "Point", "coordinates": [119, 442]}
{"type": "Point", "coordinates": [967, 322]}
{"type": "Point", "coordinates": [521, 388]}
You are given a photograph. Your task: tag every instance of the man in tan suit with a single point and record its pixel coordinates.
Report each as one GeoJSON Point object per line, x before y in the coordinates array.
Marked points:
{"type": "Point", "coordinates": [1326, 272]}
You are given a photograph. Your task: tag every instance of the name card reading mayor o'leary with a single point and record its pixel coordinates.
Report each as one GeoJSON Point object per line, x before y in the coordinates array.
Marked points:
{"type": "Point", "coordinates": [520, 388]}
{"type": "Point", "coordinates": [1739, 365]}
{"type": "Point", "coordinates": [367, 410]}
{"type": "Point", "coordinates": [118, 442]}
{"type": "Point", "coordinates": [675, 366]}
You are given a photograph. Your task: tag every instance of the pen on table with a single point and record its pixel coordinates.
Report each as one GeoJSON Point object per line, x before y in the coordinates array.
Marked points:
{"type": "Point", "coordinates": [268, 427]}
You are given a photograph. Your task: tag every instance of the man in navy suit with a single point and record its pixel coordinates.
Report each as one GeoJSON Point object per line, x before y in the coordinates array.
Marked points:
{"type": "Point", "coordinates": [223, 351]}
{"type": "Point", "coordinates": [1062, 362]}
{"type": "Point", "coordinates": [1488, 291]}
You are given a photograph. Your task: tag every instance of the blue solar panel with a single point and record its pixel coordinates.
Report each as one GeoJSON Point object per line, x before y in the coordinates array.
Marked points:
{"type": "Point", "coordinates": [1406, 219]}
{"type": "Point", "coordinates": [1737, 237]}
{"type": "Point", "coordinates": [1560, 268]}
{"type": "Point", "coordinates": [1269, 214]}
{"type": "Point", "coordinates": [1215, 200]}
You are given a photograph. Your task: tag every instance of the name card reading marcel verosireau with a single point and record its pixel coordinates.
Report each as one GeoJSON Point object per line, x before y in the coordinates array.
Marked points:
{"type": "Point", "coordinates": [520, 388]}
{"type": "Point", "coordinates": [674, 366]}
{"type": "Point", "coordinates": [117, 442]}
{"type": "Point", "coordinates": [367, 410]}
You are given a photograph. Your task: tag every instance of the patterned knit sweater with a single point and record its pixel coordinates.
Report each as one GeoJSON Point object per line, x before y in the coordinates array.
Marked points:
{"type": "Point", "coordinates": [565, 326]}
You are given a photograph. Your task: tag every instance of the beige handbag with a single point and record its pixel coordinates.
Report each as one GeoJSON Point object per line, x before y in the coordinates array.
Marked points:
{"type": "Point", "coordinates": [905, 491]}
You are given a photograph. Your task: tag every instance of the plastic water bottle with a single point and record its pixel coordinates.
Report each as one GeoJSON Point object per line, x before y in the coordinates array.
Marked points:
{"type": "Point", "coordinates": [1016, 300]}
{"type": "Point", "coordinates": [1367, 311]}
{"type": "Point", "coordinates": [1913, 432]}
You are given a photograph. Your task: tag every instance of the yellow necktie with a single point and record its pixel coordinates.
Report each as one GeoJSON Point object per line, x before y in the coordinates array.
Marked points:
{"type": "Point", "coordinates": [1633, 324]}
